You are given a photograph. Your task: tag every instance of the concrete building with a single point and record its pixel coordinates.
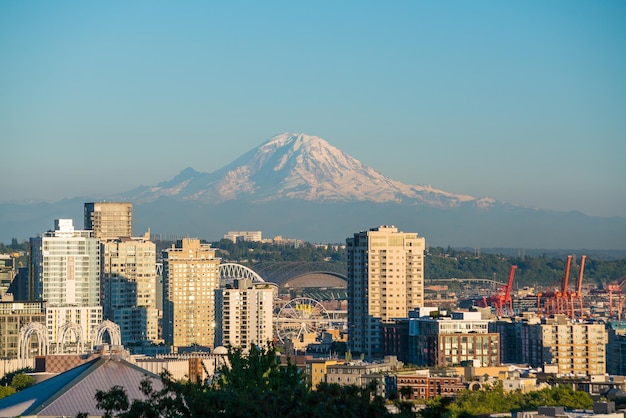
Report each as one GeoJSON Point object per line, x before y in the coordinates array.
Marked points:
{"type": "Point", "coordinates": [577, 348]}
{"type": "Point", "coordinates": [420, 384]}
{"type": "Point", "coordinates": [129, 281]}
{"type": "Point", "coordinates": [356, 372]}
{"type": "Point", "coordinates": [449, 341]}
{"type": "Point", "coordinates": [244, 314]}
{"type": "Point", "coordinates": [396, 339]}
{"type": "Point", "coordinates": [571, 348]}
{"type": "Point", "coordinates": [190, 278]}
{"type": "Point", "coordinates": [616, 348]}
{"type": "Point", "coordinates": [316, 369]}
{"type": "Point", "coordinates": [13, 316]}
{"type": "Point", "coordinates": [385, 281]}
{"type": "Point", "coordinates": [7, 272]}
{"type": "Point", "coordinates": [235, 236]}
{"type": "Point", "coordinates": [65, 273]}
{"type": "Point", "coordinates": [520, 339]}
{"type": "Point", "coordinates": [109, 220]}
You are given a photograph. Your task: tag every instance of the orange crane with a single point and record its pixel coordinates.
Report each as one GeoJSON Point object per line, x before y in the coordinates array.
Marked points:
{"type": "Point", "coordinates": [556, 300]}
{"type": "Point", "coordinates": [579, 288]}
{"type": "Point", "coordinates": [500, 300]}
{"type": "Point", "coordinates": [562, 301]}
{"type": "Point", "coordinates": [612, 288]}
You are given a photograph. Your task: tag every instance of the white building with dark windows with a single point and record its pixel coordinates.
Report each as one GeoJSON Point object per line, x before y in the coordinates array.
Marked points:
{"type": "Point", "coordinates": [65, 273]}
{"type": "Point", "coordinates": [244, 314]}
{"type": "Point", "coordinates": [385, 281]}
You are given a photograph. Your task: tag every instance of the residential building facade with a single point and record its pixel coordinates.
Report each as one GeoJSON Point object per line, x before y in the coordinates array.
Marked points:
{"type": "Point", "coordinates": [129, 281]}
{"type": "Point", "coordinates": [14, 316]}
{"type": "Point", "coordinates": [450, 341]}
{"type": "Point", "coordinates": [109, 220]}
{"type": "Point", "coordinates": [385, 281]}
{"type": "Point", "coordinates": [244, 314]}
{"type": "Point", "coordinates": [420, 384]}
{"type": "Point", "coordinates": [190, 278]}
{"type": "Point", "coordinates": [64, 271]}
{"type": "Point", "coordinates": [577, 348]}
{"type": "Point", "coordinates": [616, 348]}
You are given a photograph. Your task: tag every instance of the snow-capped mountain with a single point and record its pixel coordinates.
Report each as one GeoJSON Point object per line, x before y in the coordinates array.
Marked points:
{"type": "Point", "coordinates": [303, 167]}
{"type": "Point", "coordinates": [300, 186]}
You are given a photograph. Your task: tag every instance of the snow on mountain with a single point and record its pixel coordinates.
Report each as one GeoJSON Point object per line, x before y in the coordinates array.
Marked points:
{"type": "Point", "coordinates": [304, 167]}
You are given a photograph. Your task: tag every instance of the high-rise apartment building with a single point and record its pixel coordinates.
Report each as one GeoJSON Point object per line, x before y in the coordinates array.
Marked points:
{"type": "Point", "coordinates": [129, 287]}
{"type": "Point", "coordinates": [109, 220]}
{"type": "Point", "coordinates": [385, 281]}
{"type": "Point", "coordinates": [243, 314]}
{"type": "Point", "coordinates": [190, 278]}
{"type": "Point", "coordinates": [65, 273]}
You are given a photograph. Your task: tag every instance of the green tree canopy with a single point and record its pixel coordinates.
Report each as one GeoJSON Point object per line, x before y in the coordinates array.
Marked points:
{"type": "Point", "coordinates": [253, 384]}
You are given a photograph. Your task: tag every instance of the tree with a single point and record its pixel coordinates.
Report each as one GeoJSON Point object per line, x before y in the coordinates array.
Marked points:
{"type": "Point", "coordinates": [253, 384]}
{"type": "Point", "coordinates": [114, 400]}
{"type": "Point", "coordinates": [21, 381]}
{"type": "Point", "coordinates": [6, 391]}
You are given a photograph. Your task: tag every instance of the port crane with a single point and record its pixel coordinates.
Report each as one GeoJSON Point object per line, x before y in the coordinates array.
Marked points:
{"type": "Point", "coordinates": [502, 301]}
{"type": "Point", "coordinates": [562, 300]}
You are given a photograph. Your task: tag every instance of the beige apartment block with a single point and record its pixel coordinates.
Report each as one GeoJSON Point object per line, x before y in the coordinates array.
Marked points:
{"type": "Point", "coordinates": [190, 278]}
{"type": "Point", "coordinates": [576, 348]}
{"type": "Point", "coordinates": [385, 281]}
{"type": "Point", "coordinates": [109, 220]}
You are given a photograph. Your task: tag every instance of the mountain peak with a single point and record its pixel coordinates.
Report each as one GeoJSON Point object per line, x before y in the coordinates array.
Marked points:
{"type": "Point", "coordinates": [304, 167]}
{"type": "Point", "coordinates": [287, 138]}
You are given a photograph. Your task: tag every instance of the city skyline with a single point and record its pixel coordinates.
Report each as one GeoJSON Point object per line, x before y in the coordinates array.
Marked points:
{"type": "Point", "coordinates": [520, 102]}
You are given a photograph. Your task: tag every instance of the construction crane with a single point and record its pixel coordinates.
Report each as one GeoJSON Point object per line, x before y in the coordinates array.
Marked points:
{"type": "Point", "coordinates": [500, 300]}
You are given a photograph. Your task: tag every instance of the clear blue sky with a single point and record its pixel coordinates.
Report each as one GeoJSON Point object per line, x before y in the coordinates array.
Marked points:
{"type": "Point", "coordinates": [521, 101]}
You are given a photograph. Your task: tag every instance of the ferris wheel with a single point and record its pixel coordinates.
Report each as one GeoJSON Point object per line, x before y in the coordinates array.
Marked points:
{"type": "Point", "coordinates": [301, 316]}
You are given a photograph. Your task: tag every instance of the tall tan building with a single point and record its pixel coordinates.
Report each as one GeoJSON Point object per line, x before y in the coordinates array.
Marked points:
{"type": "Point", "coordinates": [190, 278]}
{"type": "Point", "coordinates": [129, 291]}
{"type": "Point", "coordinates": [109, 220]}
{"type": "Point", "coordinates": [385, 281]}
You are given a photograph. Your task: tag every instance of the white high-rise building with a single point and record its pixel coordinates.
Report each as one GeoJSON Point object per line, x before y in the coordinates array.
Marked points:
{"type": "Point", "coordinates": [243, 314]}
{"type": "Point", "coordinates": [385, 281]}
{"type": "Point", "coordinates": [65, 273]}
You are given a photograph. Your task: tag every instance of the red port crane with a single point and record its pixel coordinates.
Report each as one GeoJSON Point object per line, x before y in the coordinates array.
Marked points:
{"type": "Point", "coordinates": [579, 289]}
{"type": "Point", "coordinates": [500, 300]}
